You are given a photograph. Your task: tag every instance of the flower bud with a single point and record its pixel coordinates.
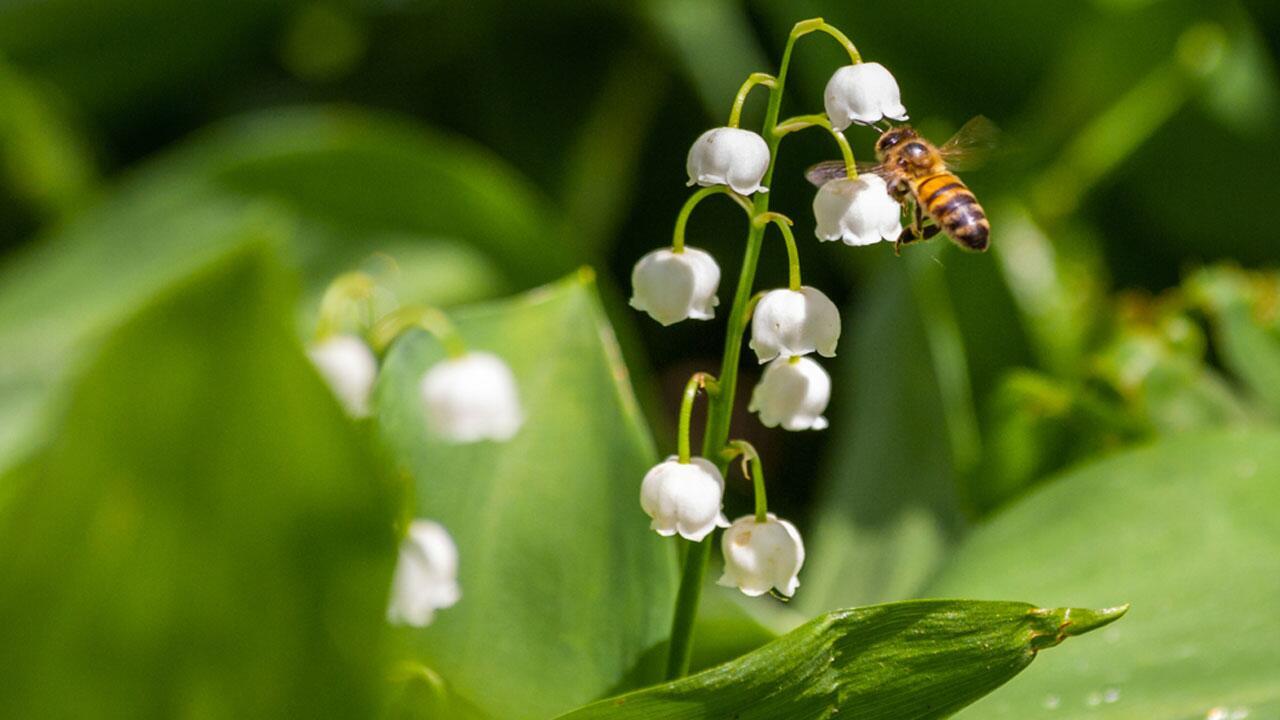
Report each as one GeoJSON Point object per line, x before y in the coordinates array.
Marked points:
{"type": "Point", "coordinates": [349, 367]}
{"type": "Point", "coordinates": [672, 286]}
{"type": "Point", "coordinates": [858, 211]}
{"type": "Point", "coordinates": [426, 575]}
{"type": "Point", "coordinates": [684, 498]}
{"type": "Point", "coordinates": [794, 322]}
{"type": "Point", "coordinates": [792, 393]}
{"type": "Point", "coordinates": [729, 156]}
{"type": "Point", "coordinates": [864, 94]}
{"type": "Point", "coordinates": [758, 556]}
{"type": "Point", "coordinates": [472, 398]}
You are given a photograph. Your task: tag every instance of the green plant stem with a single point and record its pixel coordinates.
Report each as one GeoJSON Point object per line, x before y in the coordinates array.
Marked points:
{"type": "Point", "coordinates": [753, 80]}
{"type": "Point", "coordinates": [345, 291]}
{"type": "Point", "coordinates": [752, 467]}
{"type": "Point", "coordinates": [720, 408]}
{"type": "Point", "coordinates": [697, 381]}
{"type": "Point", "coordinates": [793, 255]}
{"type": "Point", "coordinates": [677, 236]}
{"type": "Point", "coordinates": [800, 122]}
{"type": "Point", "coordinates": [430, 319]}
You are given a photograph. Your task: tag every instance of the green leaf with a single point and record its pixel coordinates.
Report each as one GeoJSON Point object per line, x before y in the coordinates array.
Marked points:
{"type": "Point", "coordinates": [714, 43]}
{"type": "Point", "coordinates": [906, 661]}
{"type": "Point", "coordinates": [206, 535]}
{"type": "Point", "coordinates": [1185, 530]}
{"type": "Point", "coordinates": [565, 590]}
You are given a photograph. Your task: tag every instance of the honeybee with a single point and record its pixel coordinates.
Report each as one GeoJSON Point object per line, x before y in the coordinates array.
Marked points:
{"type": "Point", "coordinates": [919, 176]}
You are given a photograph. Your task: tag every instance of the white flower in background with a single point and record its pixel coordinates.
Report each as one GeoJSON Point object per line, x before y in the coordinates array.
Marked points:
{"type": "Point", "coordinates": [794, 322]}
{"type": "Point", "coordinates": [863, 93]}
{"type": "Point", "coordinates": [759, 556]}
{"type": "Point", "coordinates": [426, 575]}
{"type": "Point", "coordinates": [793, 393]}
{"type": "Point", "coordinates": [349, 367]}
{"type": "Point", "coordinates": [472, 398]}
{"type": "Point", "coordinates": [729, 156]}
{"type": "Point", "coordinates": [858, 211]}
{"type": "Point", "coordinates": [672, 286]}
{"type": "Point", "coordinates": [684, 498]}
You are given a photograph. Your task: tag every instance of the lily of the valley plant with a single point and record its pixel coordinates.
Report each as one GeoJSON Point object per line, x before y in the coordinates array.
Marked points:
{"type": "Point", "coordinates": [683, 495]}
{"type": "Point", "coordinates": [470, 396]}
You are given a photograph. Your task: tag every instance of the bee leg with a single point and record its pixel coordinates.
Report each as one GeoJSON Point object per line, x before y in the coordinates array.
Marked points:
{"type": "Point", "coordinates": [910, 236]}
{"type": "Point", "coordinates": [915, 232]}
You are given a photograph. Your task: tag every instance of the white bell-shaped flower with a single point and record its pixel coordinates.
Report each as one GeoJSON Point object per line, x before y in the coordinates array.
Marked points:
{"type": "Point", "coordinates": [859, 211]}
{"type": "Point", "coordinates": [729, 156]}
{"type": "Point", "coordinates": [471, 398]}
{"type": "Point", "coordinates": [426, 575]}
{"type": "Point", "coordinates": [349, 367]}
{"type": "Point", "coordinates": [759, 556]}
{"type": "Point", "coordinates": [794, 322]}
{"type": "Point", "coordinates": [793, 393]}
{"type": "Point", "coordinates": [684, 498]}
{"type": "Point", "coordinates": [672, 286]}
{"type": "Point", "coordinates": [864, 94]}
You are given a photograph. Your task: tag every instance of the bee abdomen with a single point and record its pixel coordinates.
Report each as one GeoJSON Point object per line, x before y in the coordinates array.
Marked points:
{"type": "Point", "coordinates": [946, 199]}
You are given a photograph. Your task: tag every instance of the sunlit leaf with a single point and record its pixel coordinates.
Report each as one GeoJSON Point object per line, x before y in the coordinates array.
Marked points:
{"type": "Point", "coordinates": [565, 590]}
{"type": "Point", "coordinates": [903, 661]}
{"type": "Point", "coordinates": [1186, 531]}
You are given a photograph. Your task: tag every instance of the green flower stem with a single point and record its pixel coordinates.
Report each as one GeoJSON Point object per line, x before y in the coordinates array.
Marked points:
{"type": "Point", "coordinates": [804, 27]}
{"type": "Point", "coordinates": [435, 322]}
{"type": "Point", "coordinates": [697, 381]}
{"type": "Point", "coordinates": [800, 122]}
{"type": "Point", "coordinates": [342, 294]}
{"type": "Point", "coordinates": [753, 467]}
{"type": "Point", "coordinates": [720, 408]}
{"type": "Point", "coordinates": [677, 236]}
{"type": "Point", "coordinates": [793, 255]}
{"type": "Point", "coordinates": [753, 80]}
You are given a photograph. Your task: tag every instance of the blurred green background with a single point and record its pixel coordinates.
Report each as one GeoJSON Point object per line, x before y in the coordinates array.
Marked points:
{"type": "Point", "coordinates": [467, 152]}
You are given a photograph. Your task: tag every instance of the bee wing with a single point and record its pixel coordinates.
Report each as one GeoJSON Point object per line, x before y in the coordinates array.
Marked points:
{"type": "Point", "coordinates": [972, 146]}
{"type": "Point", "coordinates": [829, 170]}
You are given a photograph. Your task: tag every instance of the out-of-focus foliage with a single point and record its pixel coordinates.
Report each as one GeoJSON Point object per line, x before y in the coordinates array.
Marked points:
{"type": "Point", "coordinates": [460, 153]}
{"type": "Point", "coordinates": [207, 535]}
{"type": "Point", "coordinates": [548, 543]}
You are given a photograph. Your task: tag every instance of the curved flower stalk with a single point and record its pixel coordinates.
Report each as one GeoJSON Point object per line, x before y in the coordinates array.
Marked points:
{"type": "Point", "coordinates": [683, 494]}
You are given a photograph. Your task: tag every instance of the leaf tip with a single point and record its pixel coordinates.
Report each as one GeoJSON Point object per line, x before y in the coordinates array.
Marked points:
{"type": "Point", "coordinates": [1072, 622]}
{"type": "Point", "coordinates": [1079, 621]}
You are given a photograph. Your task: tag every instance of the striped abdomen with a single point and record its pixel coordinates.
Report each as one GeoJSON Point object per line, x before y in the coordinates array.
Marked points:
{"type": "Point", "coordinates": [954, 208]}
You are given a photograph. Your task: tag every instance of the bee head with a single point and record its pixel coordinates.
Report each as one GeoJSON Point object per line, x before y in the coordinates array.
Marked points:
{"type": "Point", "coordinates": [894, 137]}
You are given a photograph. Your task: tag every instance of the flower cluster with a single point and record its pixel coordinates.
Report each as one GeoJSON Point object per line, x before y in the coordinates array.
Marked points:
{"type": "Point", "coordinates": [684, 494]}
{"type": "Point", "coordinates": [468, 397]}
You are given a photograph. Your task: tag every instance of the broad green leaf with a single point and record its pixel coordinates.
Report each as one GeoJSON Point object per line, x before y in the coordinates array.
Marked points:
{"type": "Point", "coordinates": [902, 661]}
{"type": "Point", "coordinates": [205, 535]}
{"type": "Point", "coordinates": [889, 509]}
{"type": "Point", "coordinates": [565, 590]}
{"type": "Point", "coordinates": [1185, 530]}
